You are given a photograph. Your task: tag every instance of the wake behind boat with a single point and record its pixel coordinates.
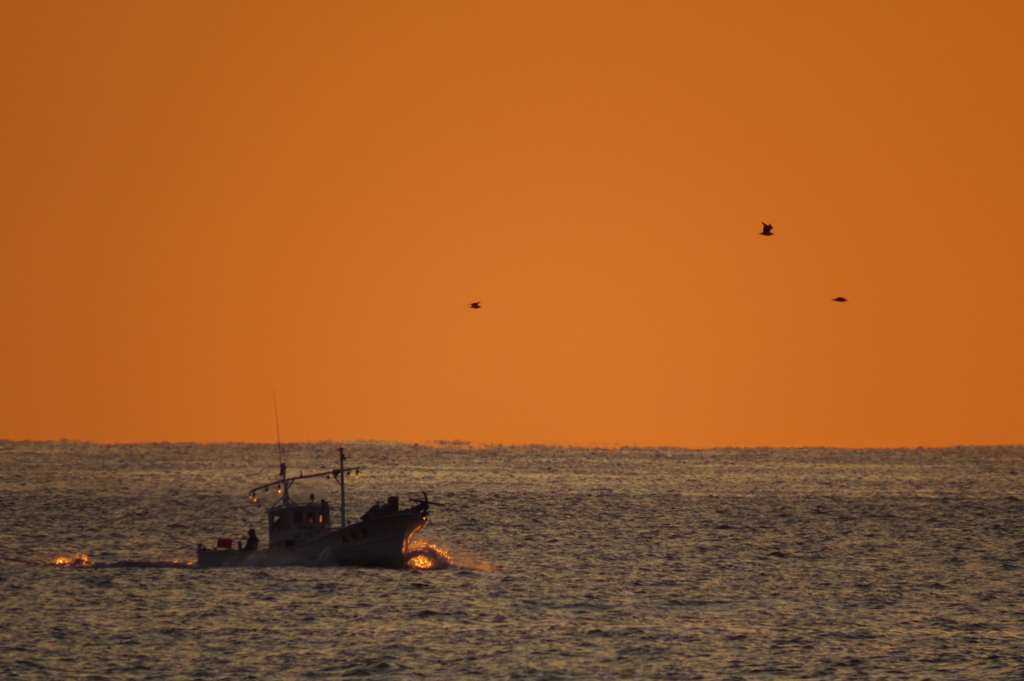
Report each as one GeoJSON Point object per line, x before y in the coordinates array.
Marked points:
{"type": "Point", "coordinates": [301, 533]}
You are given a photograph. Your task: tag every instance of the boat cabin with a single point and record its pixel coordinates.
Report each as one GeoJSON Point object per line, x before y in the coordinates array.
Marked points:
{"type": "Point", "coordinates": [291, 522]}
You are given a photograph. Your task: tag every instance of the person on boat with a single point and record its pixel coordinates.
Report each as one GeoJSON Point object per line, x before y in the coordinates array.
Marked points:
{"type": "Point", "coordinates": [375, 510]}
{"type": "Point", "coordinates": [252, 542]}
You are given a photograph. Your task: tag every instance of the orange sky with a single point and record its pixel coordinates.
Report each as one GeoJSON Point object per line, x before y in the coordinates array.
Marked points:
{"type": "Point", "coordinates": [201, 202]}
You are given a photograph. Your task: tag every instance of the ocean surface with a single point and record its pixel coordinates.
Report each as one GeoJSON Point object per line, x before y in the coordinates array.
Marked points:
{"type": "Point", "coordinates": [552, 563]}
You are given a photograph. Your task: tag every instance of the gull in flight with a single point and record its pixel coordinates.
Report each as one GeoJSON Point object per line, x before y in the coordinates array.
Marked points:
{"type": "Point", "coordinates": [766, 229]}
{"type": "Point", "coordinates": [475, 306]}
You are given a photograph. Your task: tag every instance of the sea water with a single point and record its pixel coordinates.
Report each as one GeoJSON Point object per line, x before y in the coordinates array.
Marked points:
{"type": "Point", "coordinates": [549, 563]}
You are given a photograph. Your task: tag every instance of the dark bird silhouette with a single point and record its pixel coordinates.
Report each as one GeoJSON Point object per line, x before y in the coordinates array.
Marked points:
{"type": "Point", "coordinates": [475, 306]}
{"type": "Point", "coordinates": [766, 230]}
{"type": "Point", "coordinates": [840, 299]}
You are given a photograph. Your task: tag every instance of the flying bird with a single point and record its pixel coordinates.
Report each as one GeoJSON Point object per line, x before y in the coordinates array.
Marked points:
{"type": "Point", "coordinates": [766, 230]}
{"type": "Point", "coordinates": [840, 299]}
{"type": "Point", "coordinates": [475, 306]}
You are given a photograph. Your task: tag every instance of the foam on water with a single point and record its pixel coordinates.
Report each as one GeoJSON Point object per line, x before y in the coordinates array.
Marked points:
{"type": "Point", "coordinates": [82, 561]}
{"type": "Point", "coordinates": [428, 556]}
{"type": "Point", "coordinates": [420, 556]}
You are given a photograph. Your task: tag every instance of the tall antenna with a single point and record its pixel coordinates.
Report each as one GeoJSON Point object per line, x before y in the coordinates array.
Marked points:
{"type": "Point", "coordinates": [277, 422]}
{"type": "Point", "coordinates": [341, 479]}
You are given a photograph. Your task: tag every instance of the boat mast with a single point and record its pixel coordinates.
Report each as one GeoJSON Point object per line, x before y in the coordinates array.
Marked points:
{"type": "Point", "coordinates": [280, 451]}
{"type": "Point", "coordinates": [341, 479]}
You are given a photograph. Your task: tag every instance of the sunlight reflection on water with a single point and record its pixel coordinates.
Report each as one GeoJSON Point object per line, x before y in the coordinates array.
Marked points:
{"type": "Point", "coordinates": [614, 564]}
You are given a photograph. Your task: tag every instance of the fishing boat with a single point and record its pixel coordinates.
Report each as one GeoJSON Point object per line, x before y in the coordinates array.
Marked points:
{"type": "Point", "coordinates": [301, 532]}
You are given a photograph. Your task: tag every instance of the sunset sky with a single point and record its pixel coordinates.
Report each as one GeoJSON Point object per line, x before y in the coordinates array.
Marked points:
{"type": "Point", "coordinates": [202, 203]}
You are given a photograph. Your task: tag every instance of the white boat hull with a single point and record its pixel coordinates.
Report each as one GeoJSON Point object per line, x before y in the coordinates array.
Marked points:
{"type": "Point", "coordinates": [377, 542]}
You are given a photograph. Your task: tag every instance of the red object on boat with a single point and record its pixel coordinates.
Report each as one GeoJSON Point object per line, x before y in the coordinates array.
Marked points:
{"type": "Point", "coordinates": [223, 543]}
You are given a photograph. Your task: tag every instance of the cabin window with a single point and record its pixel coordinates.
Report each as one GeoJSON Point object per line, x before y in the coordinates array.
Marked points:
{"type": "Point", "coordinates": [299, 515]}
{"type": "Point", "coordinates": [280, 520]}
{"type": "Point", "coordinates": [311, 517]}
